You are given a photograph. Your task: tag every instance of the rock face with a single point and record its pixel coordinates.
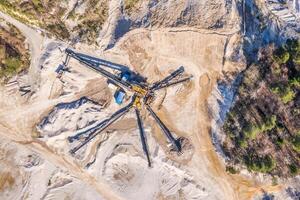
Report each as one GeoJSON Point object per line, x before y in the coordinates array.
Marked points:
{"type": "Point", "coordinates": [182, 13]}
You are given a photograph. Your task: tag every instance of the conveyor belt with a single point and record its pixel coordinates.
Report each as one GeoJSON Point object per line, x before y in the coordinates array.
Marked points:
{"type": "Point", "coordinates": [115, 79]}
{"type": "Point", "coordinates": [108, 122]}
{"type": "Point", "coordinates": [98, 61]}
{"type": "Point", "coordinates": [173, 75]}
{"type": "Point", "coordinates": [87, 132]}
{"type": "Point", "coordinates": [168, 84]}
{"type": "Point", "coordinates": [175, 143]}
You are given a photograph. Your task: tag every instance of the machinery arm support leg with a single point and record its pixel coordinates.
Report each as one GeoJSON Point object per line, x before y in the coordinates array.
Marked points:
{"type": "Point", "coordinates": [142, 134]}
{"type": "Point", "coordinates": [172, 83]}
{"type": "Point", "coordinates": [175, 143]}
{"type": "Point", "coordinates": [109, 121]}
{"type": "Point", "coordinates": [173, 75]}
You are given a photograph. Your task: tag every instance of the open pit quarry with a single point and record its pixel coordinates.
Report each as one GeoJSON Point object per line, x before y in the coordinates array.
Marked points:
{"type": "Point", "coordinates": [211, 39]}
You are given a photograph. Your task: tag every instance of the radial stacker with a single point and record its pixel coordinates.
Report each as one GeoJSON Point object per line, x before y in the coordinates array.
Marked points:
{"type": "Point", "coordinates": [143, 94]}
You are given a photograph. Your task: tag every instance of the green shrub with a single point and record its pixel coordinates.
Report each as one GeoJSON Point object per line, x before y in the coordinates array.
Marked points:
{"type": "Point", "coordinates": [252, 130]}
{"type": "Point", "coordinates": [281, 55]}
{"type": "Point", "coordinates": [293, 45]}
{"type": "Point", "coordinates": [10, 66]}
{"type": "Point", "coordinates": [295, 82]}
{"type": "Point", "coordinates": [270, 123]}
{"type": "Point", "coordinates": [12, 10]}
{"type": "Point", "coordinates": [231, 170]}
{"type": "Point", "coordinates": [280, 141]}
{"type": "Point", "coordinates": [276, 69]}
{"type": "Point", "coordinates": [288, 95]}
{"type": "Point", "coordinates": [72, 15]}
{"type": "Point", "coordinates": [242, 143]}
{"type": "Point", "coordinates": [260, 164]}
{"type": "Point", "coordinates": [2, 52]}
{"type": "Point", "coordinates": [296, 143]}
{"type": "Point", "coordinates": [37, 3]}
{"type": "Point", "coordinates": [296, 58]}
{"type": "Point", "coordinates": [285, 92]}
{"type": "Point", "coordinates": [293, 169]}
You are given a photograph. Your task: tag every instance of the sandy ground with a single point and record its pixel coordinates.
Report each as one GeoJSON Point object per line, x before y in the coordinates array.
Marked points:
{"type": "Point", "coordinates": [113, 165]}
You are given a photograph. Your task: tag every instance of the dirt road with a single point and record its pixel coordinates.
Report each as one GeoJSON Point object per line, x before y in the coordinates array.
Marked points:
{"type": "Point", "coordinates": [35, 41]}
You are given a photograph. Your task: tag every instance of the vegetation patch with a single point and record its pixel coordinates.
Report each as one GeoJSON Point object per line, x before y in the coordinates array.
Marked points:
{"type": "Point", "coordinates": [252, 130]}
{"type": "Point", "coordinates": [284, 91]}
{"type": "Point", "coordinates": [129, 5]}
{"type": "Point", "coordinates": [231, 170]}
{"type": "Point", "coordinates": [45, 14]}
{"type": "Point", "coordinates": [91, 21]}
{"type": "Point", "coordinates": [14, 11]}
{"type": "Point", "coordinates": [263, 126]}
{"type": "Point", "coordinates": [260, 164]}
{"type": "Point", "coordinates": [14, 57]}
{"type": "Point", "coordinates": [296, 143]}
{"type": "Point", "coordinates": [52, 15]}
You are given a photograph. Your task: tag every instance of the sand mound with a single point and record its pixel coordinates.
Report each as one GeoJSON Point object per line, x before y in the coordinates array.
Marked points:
{"type": "Point", "coordinates": [74, 115]}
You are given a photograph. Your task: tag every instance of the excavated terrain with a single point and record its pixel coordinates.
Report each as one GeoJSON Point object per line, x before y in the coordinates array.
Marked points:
{"type": "Point", "coordinates": [152, 38]}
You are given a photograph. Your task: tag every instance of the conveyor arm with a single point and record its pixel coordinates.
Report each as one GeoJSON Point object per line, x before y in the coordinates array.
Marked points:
{"type": "Point", "coordinates": [115, 79]}
{"type": "Point", "coordinates": [142, 135]}
{"type": "Point", "coordinates": [175, 143]}
{"type": "Point", "coordinates": [107, 123]}
{"type": "Point", "coordinates": [173, 75]}
{"type": "Point", "coordinates": [172, 83]}
{"type": "Point", "coordinates": [98, 61]}
{"type": "Point", "coordinates": [87, 132]}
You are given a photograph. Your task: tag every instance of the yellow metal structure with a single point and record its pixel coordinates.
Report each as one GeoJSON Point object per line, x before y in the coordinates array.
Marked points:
{"type": "Point", "coordinates": [137, 103]}
{"type": "Point", "coordinates": [140, 91]}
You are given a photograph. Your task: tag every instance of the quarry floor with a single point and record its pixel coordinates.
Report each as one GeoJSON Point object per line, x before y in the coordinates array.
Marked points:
{"type": "Point", "coordinates": [184, 109]}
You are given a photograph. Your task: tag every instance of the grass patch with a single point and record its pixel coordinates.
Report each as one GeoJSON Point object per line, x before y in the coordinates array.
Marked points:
{"type": "Point", "coordinates": [293, 169]}
{"type": "Point", "coordinates": [10, 66]}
